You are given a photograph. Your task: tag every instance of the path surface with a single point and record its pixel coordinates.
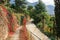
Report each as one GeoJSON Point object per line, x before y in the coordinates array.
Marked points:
{"type": "Point", "coordinates": [35, 32]}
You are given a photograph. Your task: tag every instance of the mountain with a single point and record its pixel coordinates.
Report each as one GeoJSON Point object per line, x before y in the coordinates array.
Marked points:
{"type": "Point", "coordinates": [50, 9]}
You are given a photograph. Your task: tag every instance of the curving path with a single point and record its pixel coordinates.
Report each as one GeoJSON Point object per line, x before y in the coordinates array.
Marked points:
{"type": "Point", "coordinates": [34, 31]}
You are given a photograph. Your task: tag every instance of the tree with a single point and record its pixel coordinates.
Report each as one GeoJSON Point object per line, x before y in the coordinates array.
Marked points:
{"type": "Point", "coordinates": [20, 5]}
{"type": "Point", "coordinates": [8, 2]}
{"type": "Point", "coordinates": [57, 15]}
{"type": "Point", "coordinates": [4, 1]}
{"type": "Point", "coordinates": [30, 10]}
{"type": "Point", "coordinates": [39, 9]}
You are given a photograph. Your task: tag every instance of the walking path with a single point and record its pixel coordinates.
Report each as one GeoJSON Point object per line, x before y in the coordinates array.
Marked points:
{"type": "Point", "coordinates": [34, 31]}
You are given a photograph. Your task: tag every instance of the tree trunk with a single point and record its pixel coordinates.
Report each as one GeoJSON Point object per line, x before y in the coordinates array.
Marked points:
{"type": "Point", "coordinates": [57, 15]}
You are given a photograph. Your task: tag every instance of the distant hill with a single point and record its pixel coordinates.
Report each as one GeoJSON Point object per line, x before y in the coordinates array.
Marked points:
{"type": "Point", "coordinates": [32, 4]}
{"type": "Point", "coordinates": [49, 8]}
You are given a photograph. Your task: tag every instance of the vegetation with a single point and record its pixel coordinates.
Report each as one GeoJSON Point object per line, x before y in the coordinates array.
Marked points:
{"type": "Point", "coordinates": [19, 6]}
{"type": "Point", "coordinates": [57, 14]}
{"type": "Point", "coordinates": [42, 19]}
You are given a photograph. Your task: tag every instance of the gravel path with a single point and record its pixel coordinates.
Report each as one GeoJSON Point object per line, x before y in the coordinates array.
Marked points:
{"type": "Point", "coordinates": [35, 32]}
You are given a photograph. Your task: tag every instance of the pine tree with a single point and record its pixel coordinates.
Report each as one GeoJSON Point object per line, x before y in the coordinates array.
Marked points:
{"type": "Point", "coordinates": [20, 5]}
{"type": "Point", "coordinates": [38, 11]}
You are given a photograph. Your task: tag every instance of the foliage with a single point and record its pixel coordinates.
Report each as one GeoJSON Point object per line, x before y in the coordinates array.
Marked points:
{"type": "Point", "coordinates": [20, 5]}
{"type": "Point", "coordinates": [37, 12]}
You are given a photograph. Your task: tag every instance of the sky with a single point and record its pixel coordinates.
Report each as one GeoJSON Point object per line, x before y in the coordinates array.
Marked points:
{"type": "Point", "coordinates": [47, 2]}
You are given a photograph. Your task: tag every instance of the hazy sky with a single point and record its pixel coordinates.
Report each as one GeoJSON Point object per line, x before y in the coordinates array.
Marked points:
{"type": "Point", "coordinates": [47, 2]}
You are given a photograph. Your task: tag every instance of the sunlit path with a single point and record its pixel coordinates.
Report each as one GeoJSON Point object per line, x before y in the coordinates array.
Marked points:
{"type": "Point", "coordinates": [36, 32]}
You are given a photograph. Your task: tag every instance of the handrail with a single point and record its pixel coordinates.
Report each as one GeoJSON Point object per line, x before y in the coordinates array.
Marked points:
{"type": "Point", "coordinates": [35, 35]}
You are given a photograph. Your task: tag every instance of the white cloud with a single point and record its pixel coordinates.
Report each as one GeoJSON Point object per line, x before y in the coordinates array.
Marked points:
{"type": "Point", "coordinates": [32, 1]}
{"type": "Point", "coordinates": [47, 2]}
